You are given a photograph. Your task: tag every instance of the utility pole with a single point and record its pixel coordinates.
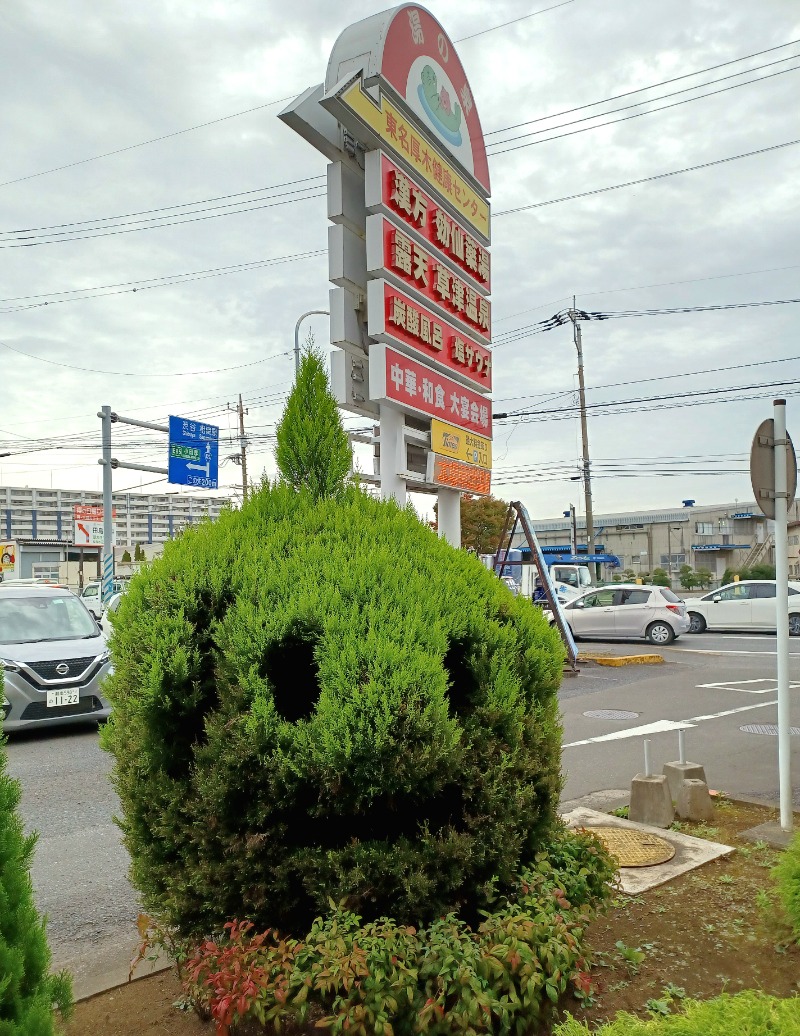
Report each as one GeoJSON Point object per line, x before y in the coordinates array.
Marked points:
{"type": "Point", "coordinates": [243, 444]}
{"type": "Point", "coordinates": [587, 478]}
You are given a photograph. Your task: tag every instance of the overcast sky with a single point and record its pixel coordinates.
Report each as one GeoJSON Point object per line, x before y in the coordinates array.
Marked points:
{"type": "Point", "coordinates": [81, 80]}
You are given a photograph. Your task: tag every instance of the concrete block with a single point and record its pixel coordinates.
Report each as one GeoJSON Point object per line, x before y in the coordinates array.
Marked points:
{"type": "Point", "coordinates": [676, 773]}
{"type": "Point", "coordinates": [694, 802]}
{"type": "Point", "coordinates": [651, 801]}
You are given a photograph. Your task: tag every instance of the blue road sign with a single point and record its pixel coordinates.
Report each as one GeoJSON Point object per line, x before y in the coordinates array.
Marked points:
{"type": "Point", "coordinates": [193, 453]}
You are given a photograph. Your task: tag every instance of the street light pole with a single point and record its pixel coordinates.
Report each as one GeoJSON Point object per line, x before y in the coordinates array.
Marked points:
{"type": "Point", "coordinates": [587, 478]}
{"type": "Point", "coordinates": [311, 312]}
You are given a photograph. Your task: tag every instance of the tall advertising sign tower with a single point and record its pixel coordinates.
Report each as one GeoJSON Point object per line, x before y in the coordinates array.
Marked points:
{"type": "Point", "coordinates": [408, 253]}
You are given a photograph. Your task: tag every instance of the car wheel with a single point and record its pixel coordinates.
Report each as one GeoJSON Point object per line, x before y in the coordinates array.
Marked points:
{"type": "Point", "coordinates": [660, 633]}
{"type": "Point", "coordinates": [698, 623]}
{"type": "Point", "coordinates": [794, 625]}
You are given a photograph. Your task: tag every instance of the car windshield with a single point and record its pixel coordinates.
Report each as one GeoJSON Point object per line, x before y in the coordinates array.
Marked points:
{"type": "Point", "coordinates": [30, 620]}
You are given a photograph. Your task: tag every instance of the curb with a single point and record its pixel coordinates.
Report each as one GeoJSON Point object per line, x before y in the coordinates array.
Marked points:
{"type": "Point", "coordinates": [618, 660]}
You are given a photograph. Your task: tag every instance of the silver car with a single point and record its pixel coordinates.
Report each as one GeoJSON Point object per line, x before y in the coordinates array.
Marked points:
{"type": "Point", "coordinates": [54, 659]}
{"type": "Point", "coordinates": [628, 610]}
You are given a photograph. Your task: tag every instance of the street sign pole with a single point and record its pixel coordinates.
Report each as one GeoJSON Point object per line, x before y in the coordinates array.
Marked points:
{"type": "Point", "coordinates": [773, 475]}
{"type": "Point", "coordinates": [782, 612]}
{"type": "Point", "coordinates": [107, 578]}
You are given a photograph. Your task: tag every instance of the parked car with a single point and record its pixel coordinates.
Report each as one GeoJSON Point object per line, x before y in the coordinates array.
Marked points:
{"type": "Point", "coordinates": [628, 610]}
{"type": "Point", "coordinates": [91, 597]}
{"type": "Point", "coordinates": [746, 605]}
{"type": "Point", "coordinates": [110, 608]}
{"type": "Point", "coordinates": [54, 659]}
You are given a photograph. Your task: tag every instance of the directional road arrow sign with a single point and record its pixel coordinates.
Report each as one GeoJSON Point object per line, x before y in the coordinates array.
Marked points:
{"type": "Point", "coordinates": [193, 453]}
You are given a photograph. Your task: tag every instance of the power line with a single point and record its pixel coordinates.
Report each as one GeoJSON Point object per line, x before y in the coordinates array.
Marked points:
{"type": "Point", "coordinates": [639, 115]}
{"type": "Point", "coordinates": [129, 287]}
{"type": "Point", "coordinates": [513, 21]}
{"type": "Point", "coordinates": [139, 374]}
{"type": "Point", "coordinates": [110, 232]}
{"type": "Point", "coordinates": [646, 179]}
{"type": "Point", "coordinates": [167, 208]}
{"type": "Point", "coordinates": [654, 86]}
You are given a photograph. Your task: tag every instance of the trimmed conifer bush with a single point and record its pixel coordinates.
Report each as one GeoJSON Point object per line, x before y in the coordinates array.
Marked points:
{"type": "Point", "coordinates": [28, 993]}
{"type": "Point", "coordinates": [787, 881]}
{"type": "Point", "coordinates": [320, 700]}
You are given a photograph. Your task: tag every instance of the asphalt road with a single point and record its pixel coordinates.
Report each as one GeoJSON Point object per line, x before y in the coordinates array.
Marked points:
{"type": "Point", "coordinates": [712, 685]}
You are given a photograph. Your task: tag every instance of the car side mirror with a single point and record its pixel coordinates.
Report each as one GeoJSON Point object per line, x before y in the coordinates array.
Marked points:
{"type": "Point", "coordinates": [579, 604]}
{"type": "Point", "coordinates": [716, 599]}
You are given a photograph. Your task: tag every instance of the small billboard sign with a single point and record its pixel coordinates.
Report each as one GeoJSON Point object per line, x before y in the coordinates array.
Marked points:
{"type": "Point", "coordinates": [449, 441]}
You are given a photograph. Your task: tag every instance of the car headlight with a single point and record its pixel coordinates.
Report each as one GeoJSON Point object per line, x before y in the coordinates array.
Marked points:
{"type": "Point", "coordinates": [105, 657]}
{"type": "Point", "coordinates": [9, 664]}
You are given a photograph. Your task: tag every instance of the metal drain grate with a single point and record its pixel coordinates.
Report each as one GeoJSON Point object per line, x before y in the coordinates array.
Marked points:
{"type": "Point", "coordinates": [767, 728]}
{"type": "Point", "coordinates": [610, 714]}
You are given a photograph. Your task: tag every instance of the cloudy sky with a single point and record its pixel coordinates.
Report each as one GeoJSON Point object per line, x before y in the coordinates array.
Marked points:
{"type": "Point", "coordinates": [161, 231]}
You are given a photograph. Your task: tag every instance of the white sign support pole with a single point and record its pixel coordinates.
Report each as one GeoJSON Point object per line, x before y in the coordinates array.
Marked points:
{"type": "Point", "coordinates": [107, 585]}
{"type": "Point", "coordinates": [392, 455]}
{"type": "Point", "coordinates": [782, 614]}
{"type": "Point", "coordinates": [449, 515]}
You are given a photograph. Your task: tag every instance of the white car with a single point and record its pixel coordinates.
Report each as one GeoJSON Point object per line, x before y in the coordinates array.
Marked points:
{"type": "Point", "coordinates": [105, 619]}
{"type": "Point", "coordinates": [628, 610]}
{"type": "Point", "coordinates": [746, 605]}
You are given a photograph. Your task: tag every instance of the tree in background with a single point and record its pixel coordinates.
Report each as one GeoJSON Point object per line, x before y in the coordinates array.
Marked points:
{"type": "Point", "coordinates": [138, 553]}
{"type": "Point", "coordinates": [703, 577]}
{"type": "Point", "coordinates": [660, 577]}
{"type": "Point", "coordinates": [313, 451]}
{"type": "Point", "coordinates": [482, 520]}
{"type": "Point", "coordinates": [126, 557]}
{"type": "Point", "coordinates": [687, 577]}
{"type": "Point", "coordinates": [27, 992]}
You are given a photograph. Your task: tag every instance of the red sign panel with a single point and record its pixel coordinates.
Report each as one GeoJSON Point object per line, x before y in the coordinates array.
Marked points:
{"type": "Point", "coordinates": [410, 385]}
{"type": "Point", "coordinates": [457, 475]}
{"type": "Point", "coordinates": [90, 512]}
{"type": "Point", "coordinates": [394, 316]}
{"type": "Point", "coordinates": [401, 255]}
{"type": "Point", "coordinates": [401, 194]}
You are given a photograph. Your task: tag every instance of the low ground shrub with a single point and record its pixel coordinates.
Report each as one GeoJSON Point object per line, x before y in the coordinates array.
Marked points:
{"type": "Point", "coordinates": [28, 993]}
{"type": "Point", "coordinates": [379, 977]}
{"type": "Point", "coordinates": [746, 1014]}
{"type": "Point", "coordinates": [787, 883]}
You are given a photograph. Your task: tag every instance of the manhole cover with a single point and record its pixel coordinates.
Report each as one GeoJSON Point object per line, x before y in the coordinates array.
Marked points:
{"type": "Point", "coordinates": [767, 728]}
{"type": "Point", "coordinates": [610, 714]}
{"type": "Point", "coordinates": [635, 848]}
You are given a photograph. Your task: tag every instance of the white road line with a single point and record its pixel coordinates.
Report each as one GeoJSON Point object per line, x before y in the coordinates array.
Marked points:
{"type": "Point", "coordinates": [721, 651]}
{"type": "Point", "coordinates": [665, 724]}
{"type": "Point", "coordinates": [734, 685]}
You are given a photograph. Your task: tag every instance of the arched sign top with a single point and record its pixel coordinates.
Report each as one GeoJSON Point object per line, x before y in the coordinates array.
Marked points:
{"type": "Point", "coordinates": [409, 48]}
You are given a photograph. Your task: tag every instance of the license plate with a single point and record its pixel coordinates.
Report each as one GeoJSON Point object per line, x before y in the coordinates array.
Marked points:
{"type": "Point", "coordinates": [58, 698]}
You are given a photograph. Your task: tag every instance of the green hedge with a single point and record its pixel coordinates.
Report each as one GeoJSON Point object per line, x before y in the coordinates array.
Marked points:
{"type": "Point", "coordinates": [28, 994]}
{"type": "Point", "coordinates": [318, 700]}
{"type": "Point", "coordinates": [746, 1014]}
{"type": "Point", "coordinates": [787, 882]}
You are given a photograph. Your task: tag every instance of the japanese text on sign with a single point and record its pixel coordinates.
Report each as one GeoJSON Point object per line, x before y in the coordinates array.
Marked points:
{"type": "Point", "coordinates": [414, 386]}
{"type": "Point", "coordinates": [399, 135]}
{"type": "Point", "coordinates": [458, 444]}
{"type": "Point", "coordinates": [407, 199]}
{"type": "Point", "coordinates": [409, 260]}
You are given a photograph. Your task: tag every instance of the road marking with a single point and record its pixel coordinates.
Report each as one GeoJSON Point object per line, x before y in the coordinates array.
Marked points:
{"type": "Point", "coordinates": [721, 651]}
{"type": "Point", "coordinates": [734, 685]}
{"type": "Point", "coordinates": [665, 724]}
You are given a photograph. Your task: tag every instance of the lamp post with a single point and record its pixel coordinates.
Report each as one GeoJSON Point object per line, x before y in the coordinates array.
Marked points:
{"type": "Point", "coordinates": [310, 313]}
{"type": "Point", "coordinates": [670, 530]}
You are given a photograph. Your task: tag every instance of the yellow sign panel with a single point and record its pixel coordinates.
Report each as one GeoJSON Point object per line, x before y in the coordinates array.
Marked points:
{"type": "Point", "coordinates": [449, 441]}
{"type": "Point", "coordinates": [401, 136]}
